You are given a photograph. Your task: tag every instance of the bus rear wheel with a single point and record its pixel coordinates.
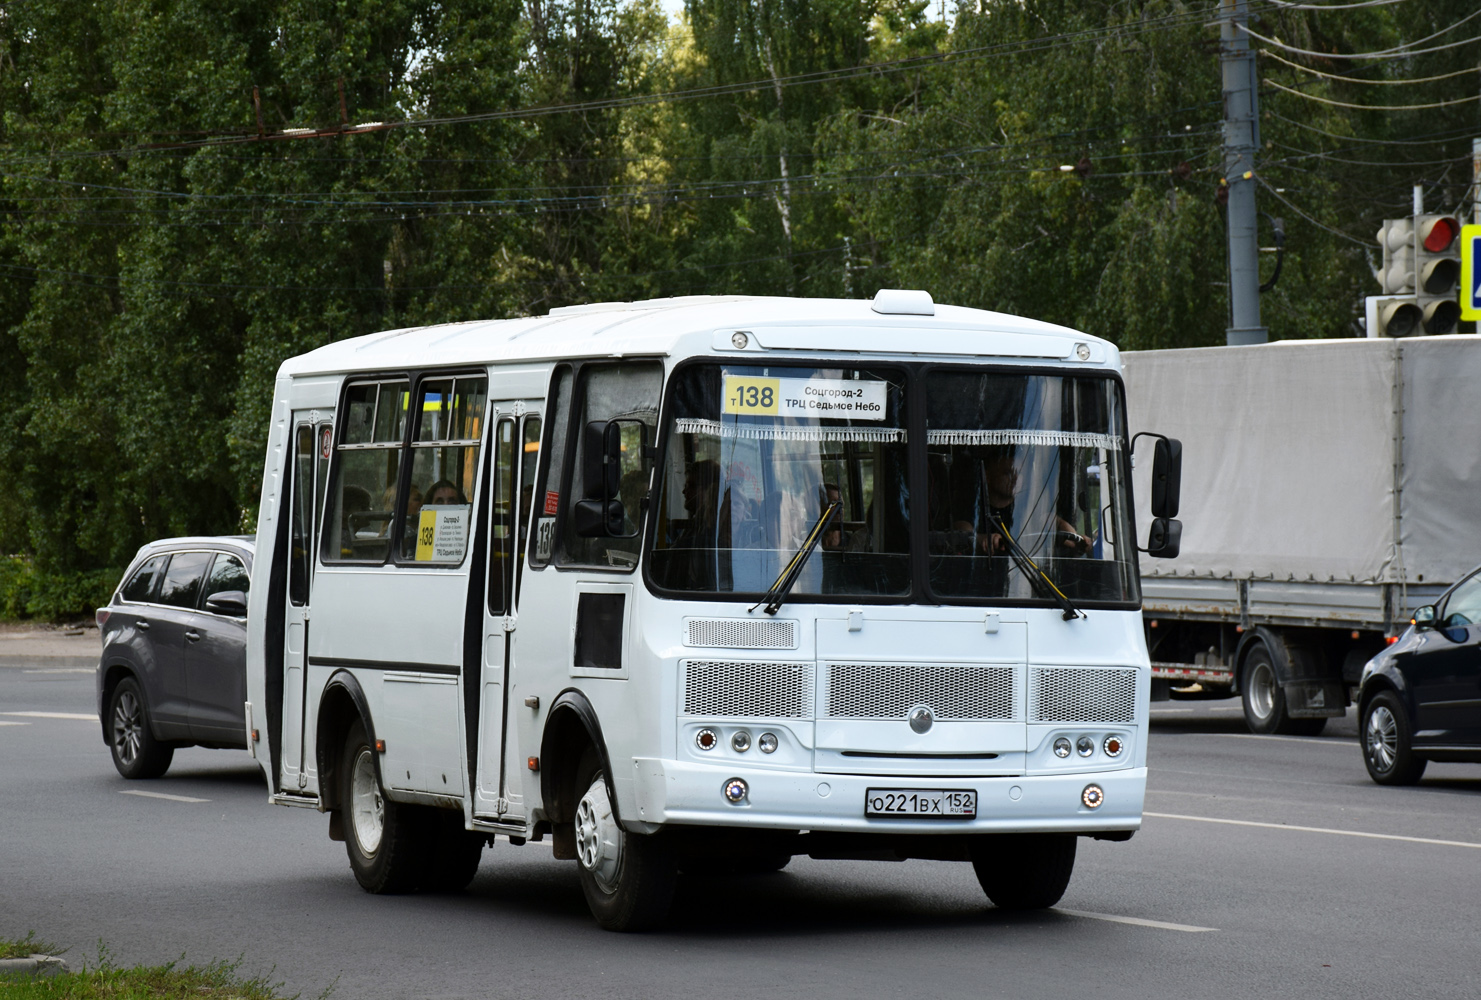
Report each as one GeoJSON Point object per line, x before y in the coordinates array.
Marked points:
{"type": "Point", "coordinates": [383, 838]}
{"type": "Point", "coordinates": [1027, 871]}
{"type": "Point", "coordinates": [628, 879]}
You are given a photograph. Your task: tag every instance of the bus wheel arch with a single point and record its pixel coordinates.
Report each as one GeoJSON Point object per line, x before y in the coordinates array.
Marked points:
{"type": "Point", "coordinates": [342, 704]}
{"type": "Point", "coordinates": [571, 726]}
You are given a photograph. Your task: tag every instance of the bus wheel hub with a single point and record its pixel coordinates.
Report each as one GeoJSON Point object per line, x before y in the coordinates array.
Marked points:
{"type": "Point", "coordinates": [598, 836]}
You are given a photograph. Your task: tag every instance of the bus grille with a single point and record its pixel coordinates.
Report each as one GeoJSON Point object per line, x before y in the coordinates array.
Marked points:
{"type": "Point", "coordinates": [889, 691]}
{"type": "Point", "coordinates": [742, 633]}
{"type": "Point", "coordinates": [1082, 694]}
{"type": "Point", "coordinates": [747, 689]}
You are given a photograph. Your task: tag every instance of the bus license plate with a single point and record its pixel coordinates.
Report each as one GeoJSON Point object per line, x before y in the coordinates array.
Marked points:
{"type": "Point", "coordinates": [920, 803]}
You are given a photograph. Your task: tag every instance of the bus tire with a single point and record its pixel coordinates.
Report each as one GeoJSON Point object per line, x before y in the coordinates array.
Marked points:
{"type": "Point", "coordinates": [628, 879]}
{"type": "Point", "coordinates": [384, 839]}
{"type": "Point", "coordinates": [1024, 871]}
{"type": "Point", "coordinates": [453, 852]}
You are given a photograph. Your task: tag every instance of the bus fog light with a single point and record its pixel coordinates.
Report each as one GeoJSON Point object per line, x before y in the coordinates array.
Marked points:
{"type": "Point", "coordinates": [767, 743]}
{"type": "Point", "coordinates": [736, 790]}
{"type": "Point", "coordinates": [1085, 746]}
{"type": "Point", "coordinates": [706, 739]}
{"type": "Point", "coordinates": [1092, 796]}
{"type": "Point", "coordinates": [741, 741]}
{"type": "Point", "coordinates": [1062, 747]}
{"type": "Point", "coordinates": [1113, 746]}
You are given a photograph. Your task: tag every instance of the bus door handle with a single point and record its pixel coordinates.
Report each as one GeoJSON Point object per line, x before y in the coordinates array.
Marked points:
{"type": "Point", "coordinates": [193, 635]}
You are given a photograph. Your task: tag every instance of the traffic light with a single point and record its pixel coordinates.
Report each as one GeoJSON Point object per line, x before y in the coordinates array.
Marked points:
{"type": "Point", "coordinates": [1437, 272]}
{"type": "Point", "coordinates": [1395, 313]}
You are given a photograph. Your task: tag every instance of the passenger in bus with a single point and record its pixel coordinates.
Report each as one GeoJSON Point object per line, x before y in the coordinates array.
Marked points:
{"type": "Point", "coordinates": [444, 493]}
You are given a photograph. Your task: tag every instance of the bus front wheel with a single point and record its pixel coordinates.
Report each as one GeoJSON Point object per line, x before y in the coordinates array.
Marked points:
{"type": "Point", "coordinates": [628, 879]}
{"type": "Point", "coordinates": [1024, 871]}
{"type": "Point", "coordinates": [382, 837]}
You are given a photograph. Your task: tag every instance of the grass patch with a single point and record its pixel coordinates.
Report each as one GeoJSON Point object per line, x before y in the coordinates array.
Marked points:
{"type": "Point", "coordinates": [104, 981]}
{"type": "Point", "coordinates": [27, 946]}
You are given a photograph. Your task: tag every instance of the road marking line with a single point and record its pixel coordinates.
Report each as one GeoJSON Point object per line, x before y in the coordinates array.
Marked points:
{"type": "Point", "coordinates": [4, 722]}
{"type": "Point", "coordinates": [62, 670]}
{"type": "Point", "coordinates": [1318, 829]}
{"type": "Point", "coordinates": [1138, 921]}
{"type": "Point", "coordinates": [1172, 711]}
{"type": "Point", "coordinates": [1313, 740]}
{"type": "Point", "coordinates": [54, 715]}
{"type": "Point", "coordinates": [162, 795]}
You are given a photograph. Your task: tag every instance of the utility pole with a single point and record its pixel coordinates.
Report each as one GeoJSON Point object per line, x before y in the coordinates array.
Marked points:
{"type": "Point", "coordinates": [1241, 139]}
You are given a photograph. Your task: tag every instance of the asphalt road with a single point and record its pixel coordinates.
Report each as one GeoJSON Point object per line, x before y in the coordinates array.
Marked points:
{"type": "Point", "coordinates": [1266, 867]}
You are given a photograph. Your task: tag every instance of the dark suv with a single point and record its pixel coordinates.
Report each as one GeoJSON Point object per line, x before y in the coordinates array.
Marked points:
{"type": "Point", "coordinates": [173, 671]}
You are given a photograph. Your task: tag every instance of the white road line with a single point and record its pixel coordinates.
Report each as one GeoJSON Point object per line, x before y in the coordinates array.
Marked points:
{"type": "Point", "coordinates": [54, 715]}
{"type": "Point", "coordinates": [4, 722]}
{"type": "Point", "coordinates": [1314, 741]}
{"type": "Point", "coordinates": [62, 670]}
{"type": "Point", "coordinates": [162, 795]}
{"type": "Point", "coordinates": [1172, 711]}
{"type": "Point", "coordinates": [1317, 829]}
{"type": "Point", "coordinates": [1161, 925]}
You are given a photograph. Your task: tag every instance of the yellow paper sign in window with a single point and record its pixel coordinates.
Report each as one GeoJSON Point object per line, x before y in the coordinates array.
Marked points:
{"type": "Point", "coordinates": [751, 397]}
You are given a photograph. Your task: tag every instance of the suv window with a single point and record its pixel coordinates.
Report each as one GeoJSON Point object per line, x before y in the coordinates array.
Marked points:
{"type": "Point", "coordinates": [140, 588]}
{"type": "Point", "coordinates": [1463, 606]}
{"type": "Point", "coordinates": [227, 573]}
{"type": "Point", "coordinates": [182, 583]}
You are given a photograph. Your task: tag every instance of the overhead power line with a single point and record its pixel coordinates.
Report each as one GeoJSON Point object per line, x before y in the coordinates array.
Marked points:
{"type": "Point", "coordinates": [1373, 107]}
{"type": "Point", "coordinates": [1377, 83]}
{"type": "Point", "coordinates": [1398, 52]}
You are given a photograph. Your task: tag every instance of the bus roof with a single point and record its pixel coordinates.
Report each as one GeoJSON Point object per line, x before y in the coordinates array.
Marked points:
{"type": "Point", "coordinates": [698, 324]}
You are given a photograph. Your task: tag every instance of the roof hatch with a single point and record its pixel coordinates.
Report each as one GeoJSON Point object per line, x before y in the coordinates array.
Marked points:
{"type": "Point", "coordinates": [903, 302]}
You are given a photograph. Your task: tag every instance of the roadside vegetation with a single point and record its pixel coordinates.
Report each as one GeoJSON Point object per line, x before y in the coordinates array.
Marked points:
{"type": "Point", "coordinates": [187, 201]}
{"type": "Point", "coordinates": [102, 980]}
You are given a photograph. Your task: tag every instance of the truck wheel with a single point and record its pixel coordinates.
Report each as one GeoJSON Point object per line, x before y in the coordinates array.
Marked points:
{"type": "Point", "coordinates": [453, 852]}
{"type": "Point", "coordinates": [385, 840]}
{"type": "Point", "coordinates": [1027, 871]}
{"type": "Point", "coordinates": [628, 879]}
{"type": "Point", "coordinates": [1265, 702]}
{"type": "Point", "coordinates": [1387, 742]}
{"type": "Point", "coordinates": [136, 753]}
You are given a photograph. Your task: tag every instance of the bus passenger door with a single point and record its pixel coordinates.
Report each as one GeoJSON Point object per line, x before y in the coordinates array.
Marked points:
{"type": "Point", "coordinates": [312, 440]}
{"type": "Point", "coordinates": [516, 444]}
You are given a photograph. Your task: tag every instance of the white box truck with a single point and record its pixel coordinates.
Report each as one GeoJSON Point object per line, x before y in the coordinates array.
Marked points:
{"type": "Point", "coordinates": [1329, 488]}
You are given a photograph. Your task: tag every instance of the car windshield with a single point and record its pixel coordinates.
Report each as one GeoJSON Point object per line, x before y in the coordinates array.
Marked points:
{"type": "Point", "coordinates": [756, 454]}
{"type": "Point", "coordinates": [1027, 488]}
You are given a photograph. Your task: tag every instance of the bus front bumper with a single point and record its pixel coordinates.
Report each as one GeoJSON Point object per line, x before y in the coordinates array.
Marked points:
{"type": "Point", "coordinates": [667, 791]}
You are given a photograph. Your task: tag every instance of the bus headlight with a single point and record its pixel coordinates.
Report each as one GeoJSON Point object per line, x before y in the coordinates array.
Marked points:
{"type": "Point", "coordinates": [1113, 746]}
{"type": "Point", "coordinates": [1092, 797]}
{"type": "Point", "coordinates": [1062, 747]}
{"type": "Point", "coordinates": [706, 739]}
{"type": "Point", "coordinates": [1085, 746]}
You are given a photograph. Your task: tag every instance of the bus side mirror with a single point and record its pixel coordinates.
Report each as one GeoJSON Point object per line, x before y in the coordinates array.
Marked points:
{"type": "Point", "coordinates": [1167, 477]}
{"type": "Point", "coordinates": [1165, 538]}
{"type": "Point", "coordinates": [611, 452]}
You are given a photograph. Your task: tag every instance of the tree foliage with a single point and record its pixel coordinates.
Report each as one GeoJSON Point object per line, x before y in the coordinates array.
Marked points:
{"type": "Point", "coordinates": [168, 241]}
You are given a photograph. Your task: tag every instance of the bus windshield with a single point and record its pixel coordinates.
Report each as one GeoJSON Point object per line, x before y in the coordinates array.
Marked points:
{"type": "Point", "coordinates": [1024, 479]}
{"type": "Point", "coordinates": [756, 454]}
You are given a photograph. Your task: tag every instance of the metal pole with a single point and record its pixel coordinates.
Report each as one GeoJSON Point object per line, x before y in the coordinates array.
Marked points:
{"type": "Point", "coordinates": [1241, 139]}
{"type": "Point", "coordinates": [1476, 181]}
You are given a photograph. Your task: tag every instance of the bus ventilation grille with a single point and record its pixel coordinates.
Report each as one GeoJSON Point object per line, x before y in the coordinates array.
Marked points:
{"type": "Point", "coordinates": [750, 690]}
{"type": "Point", "coordinates": [742, 633]}
{"type": "Point", "coordinates": [890, 691]}
{"type": "Point", "coordinates": [1082, 694]}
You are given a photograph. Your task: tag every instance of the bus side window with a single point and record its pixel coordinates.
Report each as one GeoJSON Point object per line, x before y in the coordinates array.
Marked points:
{"type": "Point", "coordinates": [361, 522]}
{"type": "Point", "coordinates": [501, 540]}
{"type": "Point", "coordinates": [552, 457]}
{"type": "Point", "coordinates": [628, 391]}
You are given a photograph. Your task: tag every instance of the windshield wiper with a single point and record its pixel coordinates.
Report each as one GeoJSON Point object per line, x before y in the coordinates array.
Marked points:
{"type": "Point", "coordinates": [1037, 578]}
{"type": "Point", "coordinates": [783, 585]}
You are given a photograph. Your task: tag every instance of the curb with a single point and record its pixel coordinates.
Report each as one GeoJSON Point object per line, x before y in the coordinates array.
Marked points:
{"type": "Point", "coordinates": [42, 661]}
{"type": "Point", "coordinates": [36, 967]}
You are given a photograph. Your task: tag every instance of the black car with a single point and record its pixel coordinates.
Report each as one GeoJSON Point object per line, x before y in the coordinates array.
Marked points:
{"type": "Point", "coordinates": [174, 667]}
{"type": "Point", "coordinates": [1420, 698]}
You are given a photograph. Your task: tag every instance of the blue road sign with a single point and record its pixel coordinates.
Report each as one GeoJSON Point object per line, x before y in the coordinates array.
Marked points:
{"type": "Point", "coordinates": [1470, 272]}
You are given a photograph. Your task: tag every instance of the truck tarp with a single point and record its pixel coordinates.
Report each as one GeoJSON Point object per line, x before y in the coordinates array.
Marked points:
{"type": "Point", "coordinates": [1302, 462]}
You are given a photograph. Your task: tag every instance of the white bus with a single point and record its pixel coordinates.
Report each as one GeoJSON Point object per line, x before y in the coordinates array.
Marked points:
{"type": "Point", "coordinates": [702, 584]}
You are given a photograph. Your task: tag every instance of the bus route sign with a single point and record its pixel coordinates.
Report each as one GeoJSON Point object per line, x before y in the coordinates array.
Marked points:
{"type": "Point", "coordinates": [1470, 272]}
